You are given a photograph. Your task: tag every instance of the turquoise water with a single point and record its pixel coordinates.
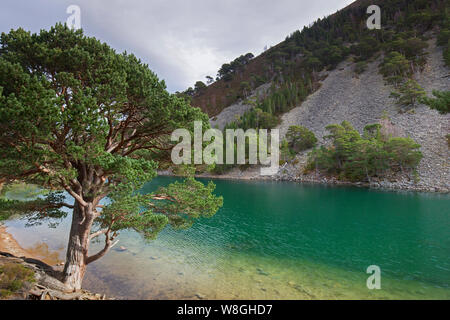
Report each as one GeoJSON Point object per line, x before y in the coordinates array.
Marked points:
{"type": "Point", "coordinates": [281, 240]}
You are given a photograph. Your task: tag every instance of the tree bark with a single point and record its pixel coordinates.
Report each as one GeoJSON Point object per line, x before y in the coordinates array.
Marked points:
{"type": "Point", "coordinates": [78, 247]}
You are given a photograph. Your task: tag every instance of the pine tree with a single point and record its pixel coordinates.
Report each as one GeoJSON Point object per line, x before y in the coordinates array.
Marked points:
{"type": "Point", "coordinates": [409, 93]}
{"type": "Point", "coordinates": [441, 102]}
{"type": "Point", "coordinates": [78, 117]}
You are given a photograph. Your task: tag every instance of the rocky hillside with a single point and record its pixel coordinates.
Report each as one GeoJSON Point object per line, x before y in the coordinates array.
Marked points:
{"type": "Point", "coordinates": [365, 99]}
{"type": "Point", "coordinates": [231, 113]}
{"type": "Point", "coordinates": [338, 70]}
{"type": "Point", "coordinates": [321, 45]}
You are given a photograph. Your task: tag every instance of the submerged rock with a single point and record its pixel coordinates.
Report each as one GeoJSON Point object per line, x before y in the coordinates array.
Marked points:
{"type": "Point", "coordinates": [200, 296]}
{"type": "Point", "coordinates": [262, 272]}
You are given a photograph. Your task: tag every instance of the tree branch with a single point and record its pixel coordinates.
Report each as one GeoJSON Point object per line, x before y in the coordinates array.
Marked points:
{"type": "Point", "coordinates": [77, 197]}
{"type": "Point", "coordinates": [63, 204]}
{"type": "Point", "coordinates": [98, 233]}
{"type": "Point", "coordinates": [108, 245]}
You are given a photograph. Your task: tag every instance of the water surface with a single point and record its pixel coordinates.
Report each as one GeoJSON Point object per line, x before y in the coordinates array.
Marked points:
{"type": "Point", "coordinates": [280, 240]}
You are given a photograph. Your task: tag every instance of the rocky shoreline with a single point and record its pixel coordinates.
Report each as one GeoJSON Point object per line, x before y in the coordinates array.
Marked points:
{"type": "Point", "coordinates": [44, 283]}
{"type": "Point", "coordinates": [406, 183]}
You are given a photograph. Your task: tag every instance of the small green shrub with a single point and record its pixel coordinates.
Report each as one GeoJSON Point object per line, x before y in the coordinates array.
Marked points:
{"type": "Point", "coordinates": [300, 138]}
{"type": "Point", "coordinates": [408, 94]}
{"type": "Point", "coordinates": [441, 102]}
{"type": "Point", "coordinates": [395, 68]}
{"type": "Point", "coordinates": [12, 278]}
{"type": "Point", "coordinates": [22, 191]}
{"type": "Point", "coordinates": [360, 67]}
{"type": "Point", "coordinates": [355, 157]}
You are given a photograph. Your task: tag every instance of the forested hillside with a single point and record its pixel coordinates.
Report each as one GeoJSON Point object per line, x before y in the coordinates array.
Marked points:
{"type": "Point", "coordinates": [352, 103]}
{"type": "Point", "coordinates": [292, 66]}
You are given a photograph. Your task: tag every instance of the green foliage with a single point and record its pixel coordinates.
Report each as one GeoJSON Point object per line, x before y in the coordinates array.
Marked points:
{"type": "Point", "coordinates": [31, 202]}
{"type": "Point", "coordinates": [7, 208]}
{"type": "Point", "coordinates": [395, 68]}
{"type": "Point", "coordinates": [220, 169]}
{"type": "Point", "coordinates": [227, 69]}
{"type": "Point", "coordinates": [199, 86]}
{"type": "Point", "coordinates": [403, 152]}
{"type": "Point", "coordinates": [21, 191]}
{"type": "Point", "coordinates": [358, 158]}
{"type": "Point", "coordinates": [184, 170]}
{"type": "Point", "coordinates": [366, 48]}
{"type": "Point", "coordinates": [441, 102]}
{"type": "Point", "coordinates": [281, 98]}
{"type": "Point", "coordinates": [245, 88]}
{"type": "Point", "coordinates": [409, 93]}
{"type": "Point", "coordinates": [313, 63]}
{"type": "Point", "coordinates": [209, 80]}
{"type": "Point", "coordinates": [443, 37]}
{"type": "Point", "coordinates": [300, 138]}
{"type": "Point", "coordinates": [322, 43]}
{"type": "Point", "coordinates": [178, 205]}
{"type": "Point", "coordinates": [360, 67]}
{"type": "Point", "coordinates": [36, 211]}
{"type": "Point", "coordinates": [186, 95]}
{"type": "Point", "coordinates": [285, 152]}
{"type": "Point", "coordinates": [447, 54]}
{"type": "Point", "coordinates": [329, 41]}
{"type": "Point", "coordinates": [444, 41]}
{"type": "Point", "coordinates": [13, 277]}
{"type": "Point", "coordinates": [255, 118]}
{"type": "Point", "coordinates": [77, 116]}
{"type": "Point", "coordinates": [191, 199]}
{"type": "Point", "coordinates": [411, 48]}
{"type": "Point", "coordinates": [258, 80]}
{"type": "Point", "coordinates": [224, 168]}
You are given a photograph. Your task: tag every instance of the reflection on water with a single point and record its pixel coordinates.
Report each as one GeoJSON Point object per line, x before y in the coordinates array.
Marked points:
{"type": "Point", "coordinates": [154, 274]}
{"type": "Point", "coordinates": [280, 241]}
{"type": "Point", "coordinates": [41, 251]}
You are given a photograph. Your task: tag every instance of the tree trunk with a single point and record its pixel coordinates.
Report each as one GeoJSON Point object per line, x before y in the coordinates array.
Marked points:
{"type": "Point", "coordinates": [367, 175]}
{"type": "Point", "coordinates": [77, 250]}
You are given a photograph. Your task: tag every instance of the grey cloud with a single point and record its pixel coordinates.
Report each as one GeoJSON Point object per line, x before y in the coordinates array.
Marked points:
{"type": "Point", "coordinates": [182, 41]}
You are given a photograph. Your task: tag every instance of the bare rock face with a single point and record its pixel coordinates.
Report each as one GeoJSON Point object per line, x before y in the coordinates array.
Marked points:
{"type": "Point", "coordinates": [364, 100]}
{"type": "Point", "coordinates": [236, 110]}
{"type": "Point", "coordinates": [343, 96]}
{"type": "Point", "coordinates": [229, 114]}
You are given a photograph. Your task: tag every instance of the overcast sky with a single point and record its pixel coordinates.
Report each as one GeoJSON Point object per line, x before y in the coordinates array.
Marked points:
{"type": "Point", "coordinates": [181, 40]}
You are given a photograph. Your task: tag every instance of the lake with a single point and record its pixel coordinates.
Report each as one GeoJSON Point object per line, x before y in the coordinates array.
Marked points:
{"type": "Point", "coordinates": [279, 240]}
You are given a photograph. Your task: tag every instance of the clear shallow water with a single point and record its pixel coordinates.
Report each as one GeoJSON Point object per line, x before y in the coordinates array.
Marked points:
{"type": "Point", "coordinates": [275, 240]}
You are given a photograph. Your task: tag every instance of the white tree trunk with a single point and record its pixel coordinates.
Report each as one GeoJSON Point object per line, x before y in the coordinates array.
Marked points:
{"type": "Point", "coordinates": [77, 250]}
